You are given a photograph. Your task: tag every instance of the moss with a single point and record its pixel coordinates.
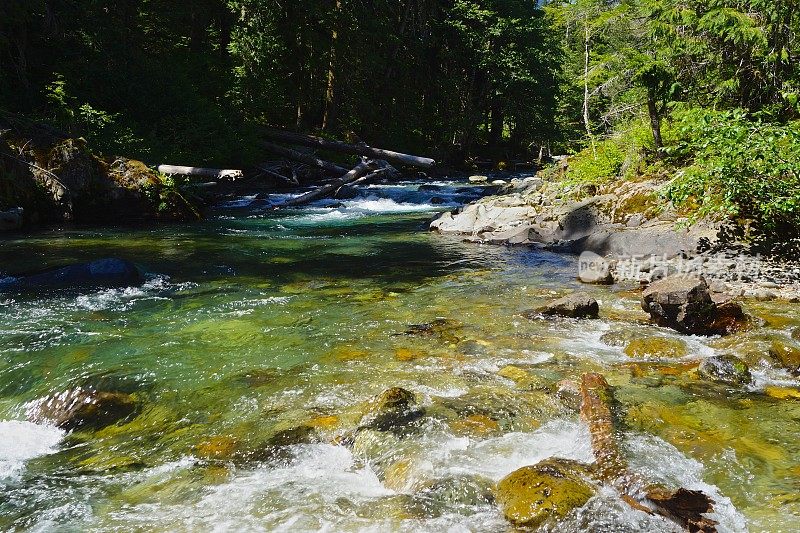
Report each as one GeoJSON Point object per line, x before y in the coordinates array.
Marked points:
{"type": "Point", "coordinates": [547, 491]}
{"type": "Point", "coordinates": [656, 347]}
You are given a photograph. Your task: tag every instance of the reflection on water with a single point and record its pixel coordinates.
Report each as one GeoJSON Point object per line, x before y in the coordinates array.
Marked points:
{"type": "Point", "coordinates": [257, 322]}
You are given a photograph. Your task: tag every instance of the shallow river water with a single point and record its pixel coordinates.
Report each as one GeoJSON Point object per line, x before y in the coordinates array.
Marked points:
{"type": "Point", "coordinates": [257, 322]}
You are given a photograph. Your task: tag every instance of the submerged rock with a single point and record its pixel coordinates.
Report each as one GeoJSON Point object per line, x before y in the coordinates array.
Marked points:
{"type": "Point", "coordinates": [577, 305]}
{"type": "Point", "coordinates": [82, 408]}
{"type": "Point", "coordinates": [110, 272]}
{"type": "Point", "coordinates": [727, 369]}
{"type": "Point", "coordinates": [546, 491]}
{"type": "Point", "coordinates": [684, 303]}
{"type": "Point", "coordinates": [787, 355]}
{"type": "Point", "coordinates": [393, 410]}
{"type": "Point", "coordinates": [649, 347]}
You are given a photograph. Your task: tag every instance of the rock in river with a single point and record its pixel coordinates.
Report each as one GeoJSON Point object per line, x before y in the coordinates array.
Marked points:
{"type": "Point", "coordinates": [577, 305]}
{"type": "Point", "coordinates": [393, 410]}
{"type": "Point", "coordinates": [101, 273]}
{"type": "Point", "coordinates": [727, 369]}
{"type": "Point", "coordinates": [81, 408]}
{"type": "Point", "coordinates": [684, 303]}
{"type": "Point", "coordinates": [550, 489]}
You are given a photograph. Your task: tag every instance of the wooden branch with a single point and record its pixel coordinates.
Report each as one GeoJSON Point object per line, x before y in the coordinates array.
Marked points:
{"type": "Point", "coordinates": [305, 158]}
{"type": "Point", "coordinates": [213, 173]}
{"type": "Point", "coordinates": [683, 506]}
{"type": "Point", "coordinates": [345, 148]}
{"type": "Point", "coordinates": [361, 170]}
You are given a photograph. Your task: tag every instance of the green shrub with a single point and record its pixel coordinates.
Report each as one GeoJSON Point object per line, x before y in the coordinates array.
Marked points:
{"type": "Point", "coordinates": [738, 167]}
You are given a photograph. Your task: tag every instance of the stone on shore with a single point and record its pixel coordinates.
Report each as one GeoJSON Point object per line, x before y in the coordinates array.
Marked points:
{"type": "Point", "coordinates": [549, 490]}
{"type": "Point", "coordinates": [576, 305]}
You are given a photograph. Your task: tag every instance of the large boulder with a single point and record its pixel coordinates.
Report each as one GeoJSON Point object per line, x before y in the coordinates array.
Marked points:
{"type": "Point", "coordinates": [576, 305]}
{"type": "Point", "coordinates": [82, 408]}
{"type": "Point", "coordinates": [101, 273]}
{"type": "Point", "coordinates": [727, 369]}
{"type": "Point", "coordinates": [549, 490]}
{"type": "Point", "coordinates": [684, 303]}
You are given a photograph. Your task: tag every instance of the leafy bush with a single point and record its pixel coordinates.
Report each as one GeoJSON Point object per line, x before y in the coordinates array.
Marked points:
{"type": "Point", "coordinates": [104, 131]}
{"type": "Point", "coordinates": [738, 167]}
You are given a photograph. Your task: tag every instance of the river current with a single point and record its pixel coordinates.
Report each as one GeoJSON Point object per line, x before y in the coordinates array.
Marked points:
{"type": "Point", "coordinates": [256, 322]}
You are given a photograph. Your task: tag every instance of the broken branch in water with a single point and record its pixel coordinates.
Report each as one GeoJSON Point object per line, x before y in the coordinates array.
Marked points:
{"type": "Point", "coordinates": [683, 506]}
{"type": "Point", "coordinates": [361, 170]}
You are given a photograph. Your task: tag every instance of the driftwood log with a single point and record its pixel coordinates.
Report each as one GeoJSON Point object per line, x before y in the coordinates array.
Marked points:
{"type": "Point", "coordinates": [360, 171]}
{"type": "Point", "coordinates": [683, 506]}
{"type": "Point", "coordinates": [308, 159]}
{"type": "Point", "coordinates": [213, 173]}
{"type": "Point", "coordinates": [346, 148]}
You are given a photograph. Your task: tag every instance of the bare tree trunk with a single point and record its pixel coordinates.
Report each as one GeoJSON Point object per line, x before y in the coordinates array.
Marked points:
{"type": "Point", "coordinates": [359, 171]}
{"type": "Point", "coordinates": [353, 149]}
{"type": "Point", "coordinates": [331, 95]}
{"type": "Point", "coordinates": [586, 57]}
{"type": "Point", "coordinates": [308, 159]}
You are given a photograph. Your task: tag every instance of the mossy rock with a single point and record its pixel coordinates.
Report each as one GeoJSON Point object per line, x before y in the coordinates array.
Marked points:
{"type": "Point", "coordinates": [782, 393]}
{"type": "Point", "coordinates": [547, 491]}
{"type": "Point", "coordinates": [796, 334]}
{"type": "Point", "coordinates": [727, 369]}
{"type": "Point", "coordinates": [787, 355]}
{"type": "Point", "coordinates": [393, 410]}
{"type": "Point", "coordinates": [475, 425]}
{"type": "Point", "coordinates": [618, 338]}
{"type": "Point", "coordinates": [217, 447]}
{"type": "Point", "coordinates": [656, 347]}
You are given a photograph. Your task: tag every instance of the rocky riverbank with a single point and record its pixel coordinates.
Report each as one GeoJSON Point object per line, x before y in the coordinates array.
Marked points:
{"type": "Point", "coordinates": [625, 233]}
{"type": "Point", "coordinates": [46, 178]}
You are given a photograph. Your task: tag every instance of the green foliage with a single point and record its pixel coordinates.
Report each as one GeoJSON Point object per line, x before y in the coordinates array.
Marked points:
{"type": "Point", "coordinates": [104, 131]}
{"type": "Point", "coordinates": [741, 167]}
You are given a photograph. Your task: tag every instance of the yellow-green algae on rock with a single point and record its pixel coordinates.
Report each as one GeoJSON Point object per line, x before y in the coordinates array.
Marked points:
{"type": "Point", "coordinates": [547, 490]}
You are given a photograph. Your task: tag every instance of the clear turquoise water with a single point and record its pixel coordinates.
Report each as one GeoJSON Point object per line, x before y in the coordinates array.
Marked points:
{"type": "Point", "coordinates": [255, 322]}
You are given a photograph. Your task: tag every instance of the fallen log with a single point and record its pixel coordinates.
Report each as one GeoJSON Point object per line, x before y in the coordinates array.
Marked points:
{"type": "Point", "coordinates": [361, 170]}
{"type": "Point", "coordinates": [346, 148]}
{"type": "Point", "coordinates": [683, 506]}
{"type": "Point", "coordinates": [305, 158]}
{"type": "Point", "coordinates": [213, 173]}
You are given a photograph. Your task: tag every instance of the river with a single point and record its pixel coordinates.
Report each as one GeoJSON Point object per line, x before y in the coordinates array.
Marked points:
{"type": "Point", "coordinates": [256, 322]}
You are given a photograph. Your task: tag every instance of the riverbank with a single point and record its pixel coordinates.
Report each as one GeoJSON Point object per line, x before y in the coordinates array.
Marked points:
{"type": "Point", "coordinates": [630, 232]}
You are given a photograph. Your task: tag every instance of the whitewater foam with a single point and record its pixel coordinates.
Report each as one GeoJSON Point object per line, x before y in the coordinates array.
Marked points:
{"type": "Point", "coordinates": [21, 441]}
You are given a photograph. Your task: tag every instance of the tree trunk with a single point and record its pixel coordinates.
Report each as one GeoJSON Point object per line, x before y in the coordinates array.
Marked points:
{"type": "Point", "coordinates": [353, 149]}
{"type": "Point", "coordinates": [655, 120]}
{"type": "Point", "coordinates": [586, 56]}
{"type": "Point", "coordinates": [215, 173]}
{"type": "Point", "coordinates": [497, 122]}
{"type": "Point", "coordinates": [685, 507]}
{"type": "Point", "coordinates": [359, 171]}
{"type": "Point", "coordinates": [331, 95]}
{"type": "Point", "coordinates": [308, 159]}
